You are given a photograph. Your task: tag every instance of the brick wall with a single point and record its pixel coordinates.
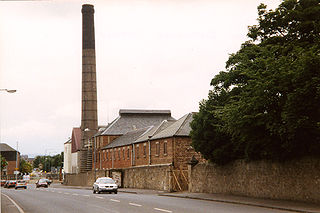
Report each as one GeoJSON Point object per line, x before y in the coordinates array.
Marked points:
{"type": "Point", "coordinates": [11, 167]}
{"type": "Point", "coordinates": [158, 154]}
{"type": "Point", "coordinates": [121, 159]}
{"type": "Point", "coordinates": [102, 141]}
{"type": "Point", "coordinates": [297, 180]}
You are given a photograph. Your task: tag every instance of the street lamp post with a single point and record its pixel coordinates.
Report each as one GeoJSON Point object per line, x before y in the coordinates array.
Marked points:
{"type": "Point", "coordinates": [9, 90]}
{"type": "Point", "coordinates": [16, 163]}
{"type": "Point", "coordinates": [16, 171]}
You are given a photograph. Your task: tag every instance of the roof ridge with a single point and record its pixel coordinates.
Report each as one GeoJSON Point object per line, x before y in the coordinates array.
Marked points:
{"type": "Point", "coordinates": [112, 123]}
{"type": "Point", "coordinates": [145, 132]}
{"type": "Point", "coordinates": [182, 124]}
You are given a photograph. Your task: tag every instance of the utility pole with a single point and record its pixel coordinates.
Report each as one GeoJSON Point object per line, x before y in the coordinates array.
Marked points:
{"type": "Point", "coordinates": [16, 163]}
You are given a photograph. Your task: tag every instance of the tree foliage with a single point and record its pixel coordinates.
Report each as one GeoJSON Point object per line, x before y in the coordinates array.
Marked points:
{"type": "Point", "coordinates": [25, 167]}
{"type": "Point", "coordinates": [4, 162]}
{"type": "Point", "coordinates": [48, 161]}
{"type": "Point", "coordinates": [266, 104]}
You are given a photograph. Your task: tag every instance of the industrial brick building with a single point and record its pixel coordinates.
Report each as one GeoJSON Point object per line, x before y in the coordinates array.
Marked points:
{"type": "Point", "coordinates": [12, 157]}
{"type": "Point", "coordinates": [167, 143]}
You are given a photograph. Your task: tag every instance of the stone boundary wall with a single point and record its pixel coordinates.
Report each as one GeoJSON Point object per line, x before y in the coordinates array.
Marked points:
{"type": "Point", "coordinates": [297, 180]}
{"type": "Point", "coordinates": [148, 177]}
{"type": "Point", "coordinates": [144, 177]}
{"type": "Point", "coordinates": [82, 179]}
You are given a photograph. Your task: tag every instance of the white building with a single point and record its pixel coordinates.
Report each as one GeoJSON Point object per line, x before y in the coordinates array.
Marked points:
{"type": "Point", "coordinates": [67, 160]}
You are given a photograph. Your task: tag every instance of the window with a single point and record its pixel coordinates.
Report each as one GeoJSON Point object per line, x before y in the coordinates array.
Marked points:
{"type": "Point", "coordinates": [123, 153]}
{"type": "Point", "coordinates": [119, 153]}
{"type": "Point", "coordinates": [128, 153]}
{"type": "Point", "coordinates": [107, 155]}
{"type": "Point", "coordinates": [157, 148]}
{"type": "Point", "coordinates": [144, 150]}
{"type": "Point", "coordinates": [165, 149]}
{"type": "Point", "coordinates": [103, 155]}
{"type": "Point", "coordinates": [137, 151]}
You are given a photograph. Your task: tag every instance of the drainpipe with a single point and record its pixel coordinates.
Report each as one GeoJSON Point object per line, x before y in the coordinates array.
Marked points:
{"type": "Point", "coordinates": [112, 154]}
{"type": "Point", "coordinates": [133, 155]}
{"type": "Point", "coordinates": [100, 158]}
{"type": "Point", "coordinates": [149, 144]}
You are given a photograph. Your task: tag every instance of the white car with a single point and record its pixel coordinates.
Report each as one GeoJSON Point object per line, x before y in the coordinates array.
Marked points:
{"type": "Point", "coordinates": [105, 184]}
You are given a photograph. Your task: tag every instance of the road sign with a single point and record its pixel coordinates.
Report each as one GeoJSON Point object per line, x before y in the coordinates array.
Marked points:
{"type": "Point", "coordinates": [16, 172]}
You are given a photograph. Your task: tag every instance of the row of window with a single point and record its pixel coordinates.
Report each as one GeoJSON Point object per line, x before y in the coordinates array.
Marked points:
{"type": "Point", "coordinates": [106, 155]}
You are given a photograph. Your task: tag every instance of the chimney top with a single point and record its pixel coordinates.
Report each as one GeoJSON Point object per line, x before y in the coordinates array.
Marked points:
{"type": "Point", "coordinates": [87, 8]}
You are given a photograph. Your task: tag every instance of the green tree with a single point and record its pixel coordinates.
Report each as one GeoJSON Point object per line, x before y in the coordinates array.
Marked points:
{"type": "Point", "coordinates": [48, 161]}
{"type": "Point", "coordinates": [4, 163]}
{"type": "Point", "coordinates": [25, 167]}
{"type": "Point", "coordinates": [270, 91]}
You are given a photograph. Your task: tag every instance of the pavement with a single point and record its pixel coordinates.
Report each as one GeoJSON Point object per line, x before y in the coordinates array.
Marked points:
{"type": "Point", "coordinates": [234, 199]}
{"type": "Point", "coordinates": [7, 205]}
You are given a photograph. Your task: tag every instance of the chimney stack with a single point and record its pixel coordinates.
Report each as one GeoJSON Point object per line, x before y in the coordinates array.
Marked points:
{"type": "Point", "coordinates": [89, 121]}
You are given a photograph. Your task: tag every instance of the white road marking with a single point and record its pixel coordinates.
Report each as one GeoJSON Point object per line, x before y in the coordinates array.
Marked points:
{"type": "Point", "coordinates": [99, 197]}
{"type": "Point", "coordinates": [163, 210]}
{"type": "Point", "coordinates": [60, 192]}
{"type": "Point", "coordinates": [75, 194]}
{"type": "Point", "coordinates": [18, 207]}
{"type": "Point", "coordinates": [135, 204]}
{"type": "Point", "coordinates": [66, 193]}
{"type": "Point", "coordinates": [115, 200]}
{"type": "Point", "coordinates": [86, 195]}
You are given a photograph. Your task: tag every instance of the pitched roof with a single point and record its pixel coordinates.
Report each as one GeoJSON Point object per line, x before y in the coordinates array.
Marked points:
{"type": "Point", "coordinates": [68, 141]}
{"type": "Point", "coordinates": [130, 120]}
{"type": "Point", "coordinates": [143, 111]}
{"type": "Point", "coordinates": [6, 148]}
{"type": "Point", "coordinates": [154, 130]}
{"type": "Point", "coordinates": [76, 139]}
{"type": "Point", "coordinates": [180, 127]}
{"type": "Point", "coordinates": [100, 130]}
{"type": "Point", "coordinates": [127, 138]}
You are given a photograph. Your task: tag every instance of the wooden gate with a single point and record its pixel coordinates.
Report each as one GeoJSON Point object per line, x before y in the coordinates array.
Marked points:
{"type": "Point", "coordinates": [180, 180]}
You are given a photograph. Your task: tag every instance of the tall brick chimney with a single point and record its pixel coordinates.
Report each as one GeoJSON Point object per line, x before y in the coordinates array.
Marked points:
{"type": "Point", "coordinates": [89, 121]}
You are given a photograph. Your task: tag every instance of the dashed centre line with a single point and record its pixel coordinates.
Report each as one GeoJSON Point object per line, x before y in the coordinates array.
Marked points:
{"type": "Point", "coordinates": [75, 194]}
{"type": "Point", "coordinates": [163, 210]}
{"type": "Point", "coordinates": [115, 200]}
{"type": "Point", "coordinates": [86, 195]}
{"type": "Point", "coordinates": [135, 204]}
{"type": "Point", "coordinates": [99, 197]}
{"type": "Point", "coordinates": [66, 193]}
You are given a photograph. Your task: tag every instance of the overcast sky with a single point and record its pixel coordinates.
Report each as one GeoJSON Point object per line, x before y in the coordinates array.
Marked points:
{"type": "Point", "coordinates": [150, 54]}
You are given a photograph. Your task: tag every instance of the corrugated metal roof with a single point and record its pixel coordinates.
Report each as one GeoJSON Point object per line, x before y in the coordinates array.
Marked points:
{"type": "Point", "coordinates": [6, 148]}
{"type": "Point", "coordinates": [130, 120]}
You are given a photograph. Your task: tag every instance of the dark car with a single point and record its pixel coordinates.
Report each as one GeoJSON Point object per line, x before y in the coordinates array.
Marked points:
{"type": "Point", "coordinates": [3, 182]}
{"type": "Point", "coordinates": [42, 183]}
{"type": "Point", "coordinates": [10, 183]}
{"type": "Point", "coordinates": [21, 184]}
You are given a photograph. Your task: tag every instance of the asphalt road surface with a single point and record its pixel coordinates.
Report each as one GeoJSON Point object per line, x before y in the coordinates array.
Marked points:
{"type": "Point", "coordinates": [66, 200]}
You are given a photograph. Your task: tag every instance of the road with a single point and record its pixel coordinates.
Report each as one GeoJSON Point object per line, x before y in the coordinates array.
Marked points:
{"type": "Point", "coordinates": [66, 200]}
